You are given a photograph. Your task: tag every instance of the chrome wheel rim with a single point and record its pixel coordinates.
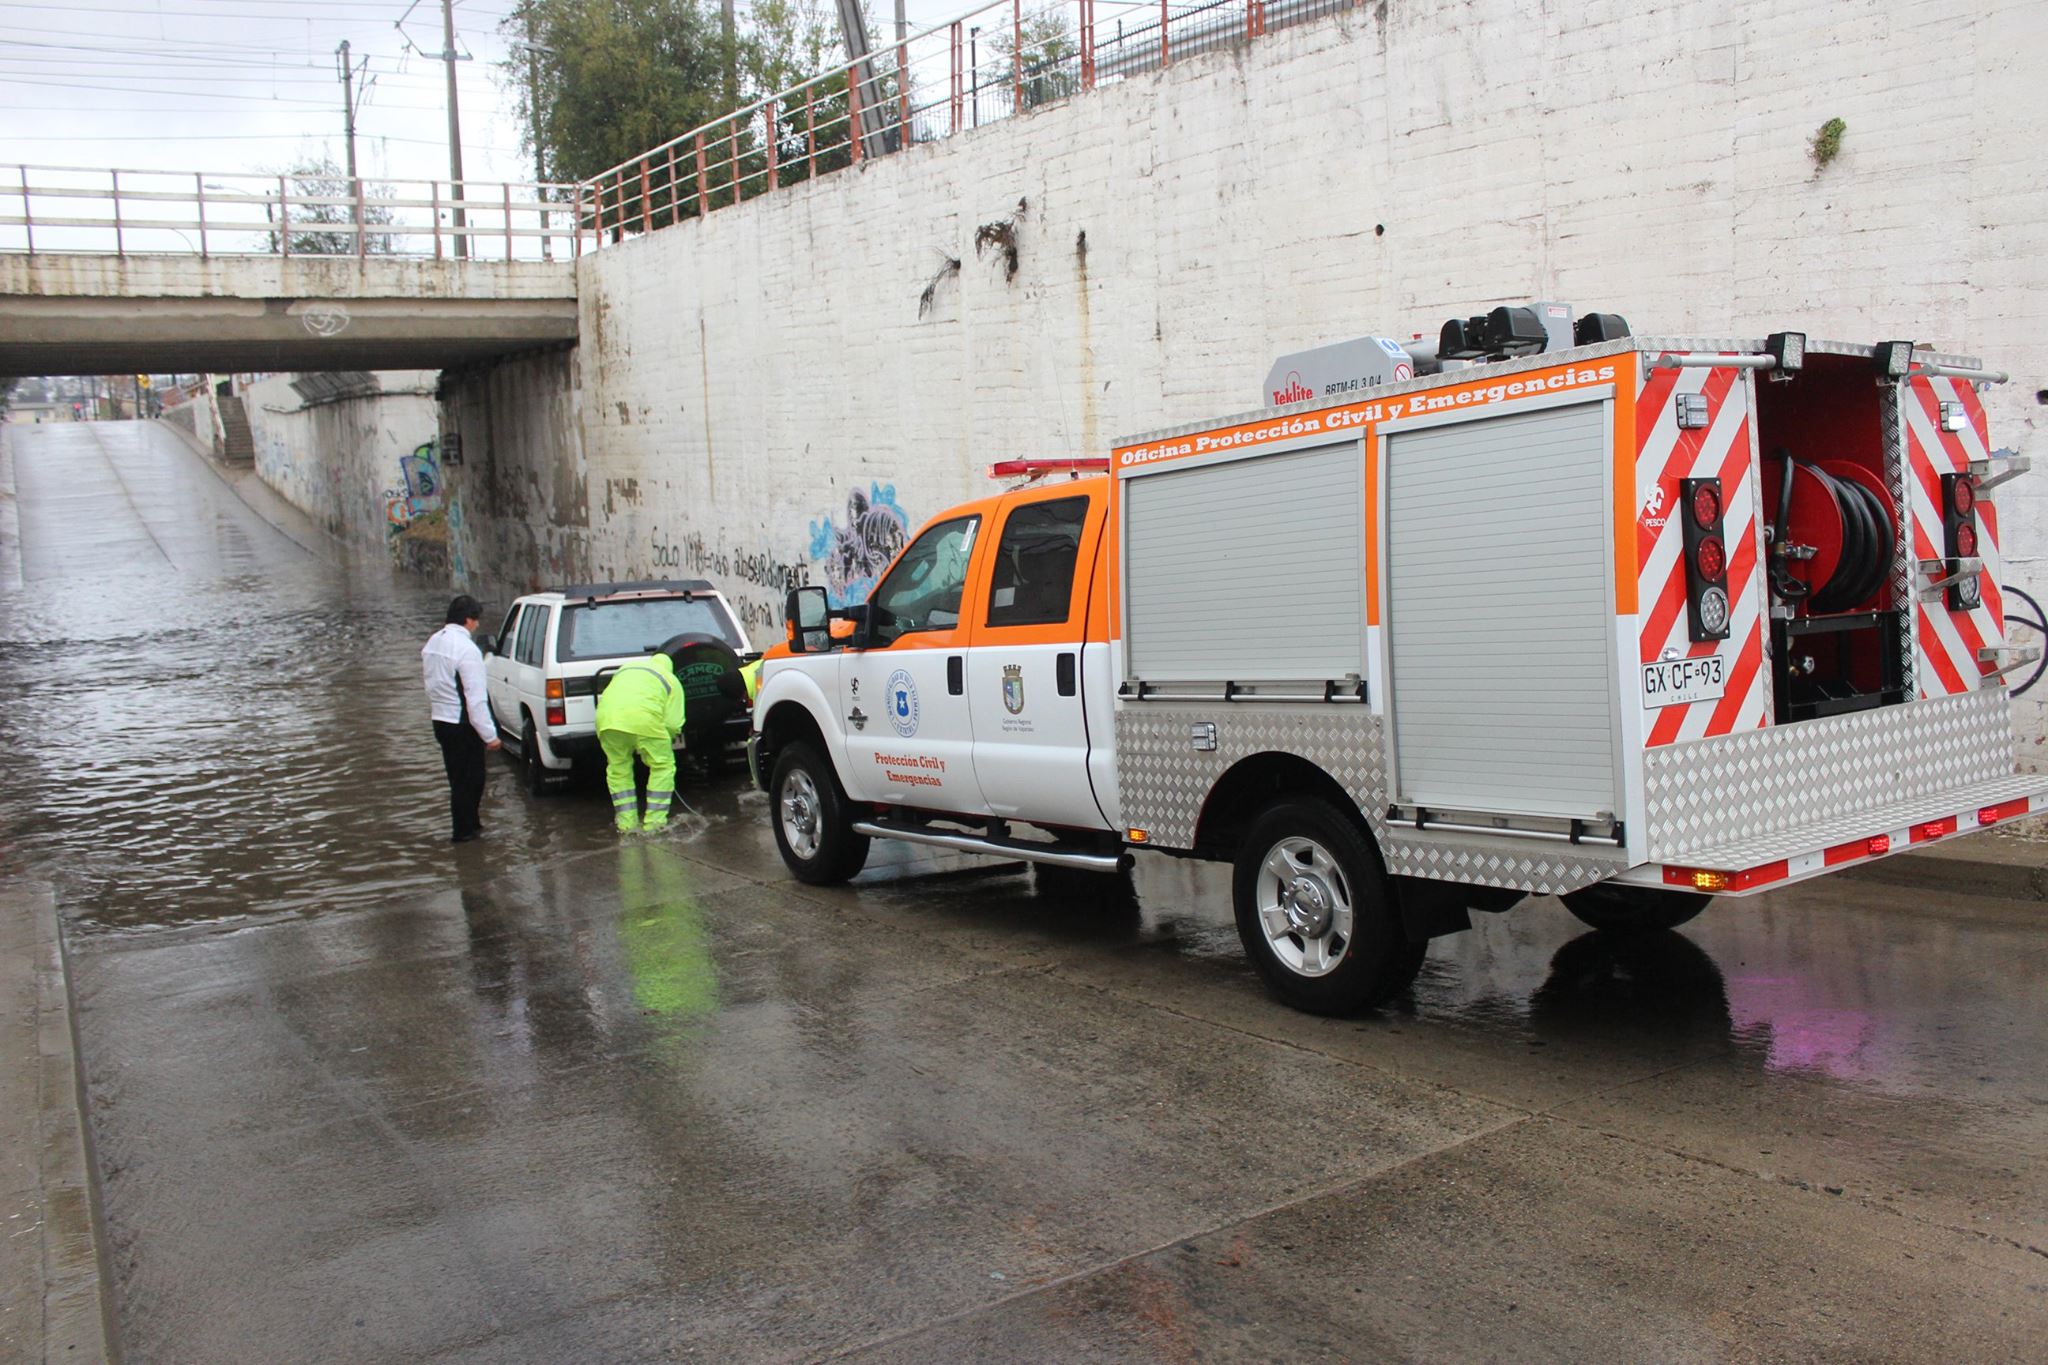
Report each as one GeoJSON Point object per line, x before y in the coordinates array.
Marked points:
{"type": "Point", "coordinates": [799, 814]}
{"type": "Point", "coordinates": [1304, 905]}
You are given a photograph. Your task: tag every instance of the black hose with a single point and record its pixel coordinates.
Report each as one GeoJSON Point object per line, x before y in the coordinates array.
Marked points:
{"type": "Point", "coordinates": [2039, 623]}
{"type": "Point", "coordinates": [1865, 544]}
{"type": "Point", "coordinates": [1787, 588]}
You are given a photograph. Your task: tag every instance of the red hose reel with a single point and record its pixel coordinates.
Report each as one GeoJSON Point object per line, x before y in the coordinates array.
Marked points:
{"type": "Point", "coordinates": [1834, 538]}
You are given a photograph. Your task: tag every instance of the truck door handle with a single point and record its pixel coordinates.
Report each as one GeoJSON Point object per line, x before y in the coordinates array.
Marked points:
{"type": "Point", "coordinates": [1064, 674]}
{"type": "Point", "coordinates": [956, 675]}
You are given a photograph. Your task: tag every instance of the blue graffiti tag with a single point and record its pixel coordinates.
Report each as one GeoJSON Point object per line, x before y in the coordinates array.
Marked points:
{"type": "Point", "coordinates": [852, 555]}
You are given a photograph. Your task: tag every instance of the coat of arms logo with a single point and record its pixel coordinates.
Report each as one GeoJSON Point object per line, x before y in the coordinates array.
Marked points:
{"type": "Point", "coordinates": [1013, 688]}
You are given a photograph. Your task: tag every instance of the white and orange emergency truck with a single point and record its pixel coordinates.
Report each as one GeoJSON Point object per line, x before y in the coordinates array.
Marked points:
{"type": "Point", "coordinates": [1545, 608]}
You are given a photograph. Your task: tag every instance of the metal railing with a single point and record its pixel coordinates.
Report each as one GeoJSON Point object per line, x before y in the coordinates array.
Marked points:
{"type": "Point", "coordinates": [1007, 57]}
{"type": "Point", "coordinates": [136, 212]}
{"type": "Point", "coordinates": [991, 63]}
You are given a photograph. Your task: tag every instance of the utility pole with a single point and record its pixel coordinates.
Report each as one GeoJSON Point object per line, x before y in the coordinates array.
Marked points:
{"type": "Point", "coordinates": [732, 79]}
{"type": "Point", "coordinates": [348, 116]}
{"type": "Point", "coordinates": [454, 128]}
{"type": "Point", "coordinates": [540, 168]}
{"type": "Point", "coordinates": [854, 29]}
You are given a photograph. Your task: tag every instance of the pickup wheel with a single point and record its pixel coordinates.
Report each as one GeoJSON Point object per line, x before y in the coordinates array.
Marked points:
{"type": "Point", "coordinates": [1316, 912]}
{"type": "Point", "coordinates": [1634, 909]}
{"type": "Point", "coordinates": [532, 772]}
{"type": "Point", "coordinates": [813, 828]}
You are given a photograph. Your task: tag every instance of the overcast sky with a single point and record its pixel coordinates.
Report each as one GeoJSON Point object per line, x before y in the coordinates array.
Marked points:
{"type": "Point", "coordinates": [252, 85]}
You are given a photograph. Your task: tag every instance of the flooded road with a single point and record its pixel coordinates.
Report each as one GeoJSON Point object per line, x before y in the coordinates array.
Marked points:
{"type": "Point", "coordinates": [360, 1096]}
{"type": "Point", "coordinates": [207, 718]}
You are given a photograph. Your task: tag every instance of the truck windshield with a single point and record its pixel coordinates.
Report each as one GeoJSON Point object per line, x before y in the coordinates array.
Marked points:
{"type": "Point", "coordinates": [609, 630]}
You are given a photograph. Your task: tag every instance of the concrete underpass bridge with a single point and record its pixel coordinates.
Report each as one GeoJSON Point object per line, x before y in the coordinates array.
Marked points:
{"type": "Point", "coordinates": [121, 272]}
{"type": "Point", "coordinates": [116, 271]}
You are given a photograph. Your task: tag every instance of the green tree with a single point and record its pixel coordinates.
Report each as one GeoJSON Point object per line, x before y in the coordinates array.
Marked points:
{"type": "Point", "coordinates": [612, 79]}
{"type": "Point", "coordinates": [1051, 57]}
{"type": "Point", "coordinates": [320, 212]}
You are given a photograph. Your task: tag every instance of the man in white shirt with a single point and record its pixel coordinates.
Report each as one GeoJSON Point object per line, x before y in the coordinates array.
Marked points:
{"type": "Point", "coordinates": [454, 671]}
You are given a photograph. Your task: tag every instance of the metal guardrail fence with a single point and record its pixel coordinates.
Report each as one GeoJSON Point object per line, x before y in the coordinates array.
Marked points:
{"type": "Point", "coordinates": [991, 63]}
{"type": "Point", "coordinates": [135, 212]}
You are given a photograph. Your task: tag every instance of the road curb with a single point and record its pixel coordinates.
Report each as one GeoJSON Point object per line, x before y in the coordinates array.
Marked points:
{"type": "Point", "coordinates": [70, 1279]}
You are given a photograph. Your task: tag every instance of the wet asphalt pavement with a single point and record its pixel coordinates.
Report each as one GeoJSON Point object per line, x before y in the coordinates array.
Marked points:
{"type": "Point", "coordinates": [360, 1096]}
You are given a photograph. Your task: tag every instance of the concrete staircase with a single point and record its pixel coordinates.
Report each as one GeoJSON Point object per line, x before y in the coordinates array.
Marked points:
{"type": "Point", "coordinates": [238, 447]}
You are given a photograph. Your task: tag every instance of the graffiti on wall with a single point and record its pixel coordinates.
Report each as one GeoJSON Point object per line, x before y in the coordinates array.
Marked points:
{"type": "Point", "coordinates": [853, 553]}
{"type": "Point", "coordinates": [846, 556]}
{"type": "Point", "coordinates": [731, 569]}
{"type": "Point", "coordinates": [418, 490]}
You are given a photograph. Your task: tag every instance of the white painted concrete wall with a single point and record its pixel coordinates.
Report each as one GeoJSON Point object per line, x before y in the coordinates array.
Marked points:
{"type": "Point", "coordinates": [338, 462]}
{"type": "Point", "coordinates": [745, 378]}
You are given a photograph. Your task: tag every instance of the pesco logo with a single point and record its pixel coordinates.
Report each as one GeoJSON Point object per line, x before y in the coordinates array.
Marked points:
{"type": "Point", "coordinates": [902, 694]}
{"type": "Point", "coordinates": [1294, 392]}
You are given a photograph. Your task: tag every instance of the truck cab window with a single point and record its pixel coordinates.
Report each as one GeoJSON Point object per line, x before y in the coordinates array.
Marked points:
{"type": "Point", "coordinates": [1032, 582]}
{"type": "Point", "coordinates": [923, 591]}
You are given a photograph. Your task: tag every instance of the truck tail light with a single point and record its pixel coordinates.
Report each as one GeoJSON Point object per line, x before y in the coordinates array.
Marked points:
{"type": "Point", "coordinates": [1706, 504]}
{"type": "Point", "coordinates": [1712, 559]}
{"type": "Point", "coordinates": [2004, 810]}
{"type": "Point", "coordinates": [558, 710]}
{"type": "Point", "coordinates": [1959, 528]}
{"type": "Point", "coordinates": [1706, 560]}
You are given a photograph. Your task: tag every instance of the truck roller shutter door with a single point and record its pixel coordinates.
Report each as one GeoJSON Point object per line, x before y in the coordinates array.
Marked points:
{"type": "Point", "coordinates": [1499, 615]}
{"type": "Point", "coordinates": [1249, 571]}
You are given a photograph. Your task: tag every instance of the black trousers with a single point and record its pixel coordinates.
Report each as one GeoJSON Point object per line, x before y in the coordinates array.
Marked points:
{"type": "Point", "coordinates": [462, 752]}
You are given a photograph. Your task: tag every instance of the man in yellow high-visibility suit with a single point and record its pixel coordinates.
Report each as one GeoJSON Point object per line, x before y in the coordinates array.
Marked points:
{"type": "Point", "coordinates": [640, 713]}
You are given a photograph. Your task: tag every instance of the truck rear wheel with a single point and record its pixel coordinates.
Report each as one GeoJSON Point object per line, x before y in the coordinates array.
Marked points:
{"type": "Point", "coordinates": [1634, 909]}
{"type": "Point", "coordinates": [1316, 912]}
{"type": "Point", "coordinates": [813, 827]}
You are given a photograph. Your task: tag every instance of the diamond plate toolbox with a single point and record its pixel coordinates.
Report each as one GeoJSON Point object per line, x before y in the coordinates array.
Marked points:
{"type": "Point", "coordinates": [1164, 780]}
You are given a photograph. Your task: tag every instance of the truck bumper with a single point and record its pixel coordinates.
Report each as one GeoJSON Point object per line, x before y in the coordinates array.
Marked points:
{"type": "Point", "coordinates": [1745, 867]}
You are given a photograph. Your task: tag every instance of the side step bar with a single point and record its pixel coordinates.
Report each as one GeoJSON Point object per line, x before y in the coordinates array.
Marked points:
{"type": "Point", "coordinates": [1002, 848]}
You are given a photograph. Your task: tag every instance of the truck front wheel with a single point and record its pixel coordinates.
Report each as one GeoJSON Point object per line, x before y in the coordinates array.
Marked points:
{"type": "Point", "coordinates": [1316, 912]}
{"type": "Point", "coordinates": [813, 827]}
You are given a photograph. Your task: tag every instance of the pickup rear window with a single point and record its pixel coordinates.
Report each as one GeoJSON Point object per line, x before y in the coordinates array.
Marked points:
{"type": "Point", "coordinates": [611, 630]}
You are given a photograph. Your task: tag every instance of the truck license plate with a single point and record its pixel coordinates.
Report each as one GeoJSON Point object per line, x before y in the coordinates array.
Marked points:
{"type": "Point", "coordinates": [1673, 682]}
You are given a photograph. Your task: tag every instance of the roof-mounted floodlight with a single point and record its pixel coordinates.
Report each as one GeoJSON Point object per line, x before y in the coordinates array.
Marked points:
{"type": "Point", "coordinates": [1515, 331]}
{"type": "Point", "coordinates": [1787, 351]}
{"type": "Point", "coordinates": [1894, 359]}
{"type": "Point", "coordinates": [1596, 327]}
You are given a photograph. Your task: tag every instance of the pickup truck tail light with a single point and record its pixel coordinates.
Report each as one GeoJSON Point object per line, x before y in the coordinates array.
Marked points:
{"type": "Point", "coordinates": [1707, 607]}
{"type": "Point", "coordinates": [558, 710]}
{"type": "Point", "coordinates": [1959, 525]}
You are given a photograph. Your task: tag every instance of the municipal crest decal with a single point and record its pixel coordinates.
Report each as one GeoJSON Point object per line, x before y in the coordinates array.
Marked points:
{"type": "Point", "coordinates": [902, 696]}
{"type": "Point", "coordinates": [1013, 688]}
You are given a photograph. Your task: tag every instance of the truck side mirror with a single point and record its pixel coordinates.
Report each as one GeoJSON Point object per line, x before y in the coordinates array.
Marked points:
{"type": "Point", "coordinates": [808, 612]}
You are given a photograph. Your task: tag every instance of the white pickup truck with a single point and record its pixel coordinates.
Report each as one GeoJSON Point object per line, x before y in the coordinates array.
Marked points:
{"type": "Point", "coordinates": [1548, 620]}
{"type": "Point", "coordinates": [544, 669]}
